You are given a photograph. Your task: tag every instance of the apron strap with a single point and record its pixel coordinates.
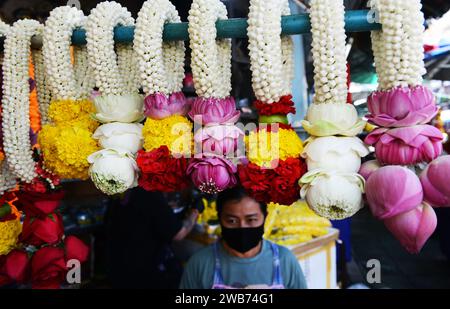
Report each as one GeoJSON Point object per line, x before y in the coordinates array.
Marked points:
{"type": "Point", "coordinates": [277, 277]}
{"type": "Point", "coordinates": [218, 280]}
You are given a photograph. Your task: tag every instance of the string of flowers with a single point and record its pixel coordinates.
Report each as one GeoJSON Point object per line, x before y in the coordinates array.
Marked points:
{"type": "Point", "coordinates": [7, 178]}
{"type": "Point", "coordinates": [66, 141]}
{"type": "Point", "coordinates": [119, 106]}
{"type": "Point", "coordinates": [216, 144]}
{"type": "Point", "coordinates": [332, 187]}
{"type": "Point", "coordinates": [15, 102]}
{"type": "Point", "coordinates": [273, 150]}
{"type": "Point", "coordinates": [43, 90]}
{"type": "Point", "coordinates": [167, 132]}
{"type": "Point", "coordinates": [401, 108]}
{"type": "Point", "coordinates": [83, 73]}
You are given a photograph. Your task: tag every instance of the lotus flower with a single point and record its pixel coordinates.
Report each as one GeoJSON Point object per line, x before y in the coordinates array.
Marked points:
{"type": "Point", "coordinates": [335, 153]}
{"type": "Point", "coordinates": [120, 108]}
{"type": "Point", "coordinates": [113, 171]}
{"type": "Point", "coordinates": [402, 107]}
{"type": "Point", "coordinates": [331, 194]}
{"type": "Point", "coordinates": [435, 181]}
{"type": "Point", "coordinates": [209, 111]}
{"type": "Point", "coordinates": [406, 146]}
{"type": "Point", "coordinates": [367, 168]}
{"type": "Point", "coordinates": [159, 105]}
{"type": "Point", "coordinates": [117, 135]}
{"type": "Point", "coordinates": [333, 119]}
{"type": "Point", "coordinates": [213, 174]}
{"type": "Point", "coordinates": [413, 228]}
{"type": "Point", "coordinates": [219, 140]}
{"type": "Point", "coordinates": [392, 190]}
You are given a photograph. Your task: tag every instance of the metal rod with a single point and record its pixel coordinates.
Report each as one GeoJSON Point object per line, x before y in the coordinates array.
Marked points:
{"type": "Point", "coordinates": [355, 21]}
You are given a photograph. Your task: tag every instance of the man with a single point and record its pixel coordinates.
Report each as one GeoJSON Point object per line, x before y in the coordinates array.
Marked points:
{"type": "Point", "coordinates": [140, 229]}
{"type": "Point", "coordinates": [241, 258]}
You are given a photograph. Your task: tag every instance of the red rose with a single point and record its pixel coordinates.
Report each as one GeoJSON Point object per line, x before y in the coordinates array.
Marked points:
{"type": "Point", "coordinates": [13, 267]}
{"type": "Point", "coordinates": [293, 168]}
{"type": "Point", "coordinates": [38, 231]}
{"type": "Point", "coordinates": [256, 181]}
{"type": "Point", "coordinates": [48, 268]}
{"type": "Point", "coordinates": [284, 191]}
{"type": "Point", "coordinates": [40, 204]}
{"type": "Point", "coordinates": [154, 161]}
{"type": "Point", "coordinates": [282, 107]}
{"type": "Point", "coordinates": [76, 249]}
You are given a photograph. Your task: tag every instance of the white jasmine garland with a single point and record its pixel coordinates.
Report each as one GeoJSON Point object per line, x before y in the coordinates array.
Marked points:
{"type": "Point", "coordinates": [210, 58]}
{"type": "Point", "coordinates": [127, 63]}
{"type": "Point", "coordinates": [328, 50]}
{"type": "Point", "coordinates": [84, 78]}
{"type": "Point", "coordinates": [161, 64]}
{"type": "Point", "coordinates": [43, 89]}
{"type": "Point", "coordinates": [109, 78]}
{"type": "Point", "coordinates": [271, 55]}
{"type": "Point", "coordinates": [15, 102]}
{"type": "Point", "coordinates": [398, 47]}
{"type": "Point", "coordinates": [56, 49]}
{"type": "Point", "coordinates": [4, 28]}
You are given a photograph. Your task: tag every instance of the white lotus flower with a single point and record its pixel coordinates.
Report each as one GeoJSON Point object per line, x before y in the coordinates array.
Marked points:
{"type": "Point", "coordinates": [121, 108]}
{"type": "Point", "coordinates": [117, 135]}
{"type": "Point", "coordinates": [333, 195]}
{"type": "Point", "coordinates": [113, 171]}
{"type": "Point", "coordinates": [335, 153]}
{"type": "Point", "coordinates": [333, 119]}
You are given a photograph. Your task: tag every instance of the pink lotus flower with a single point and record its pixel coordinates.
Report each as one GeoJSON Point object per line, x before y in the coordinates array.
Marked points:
{"type": "Point", "coordinates": [367, 168]}
{"type": "Point", "coordinates": [392, 190]}
{"type": "Point", "coordinates": [413, 228]}
{"type": "Point", "coordinates": [406, 146]}
{"type": "Point", "coordinates": [208, 111]}
{"type": "Point", "coordinates": [435, 181]}
{"type": "Point", "coordinates": [213, 174]}
{"type": "Point", "coordinates": [402, 107]}
{"type": "Point", "coordinates": [219, 140]}
{"type": "Point", "coordinates": [159, 106]}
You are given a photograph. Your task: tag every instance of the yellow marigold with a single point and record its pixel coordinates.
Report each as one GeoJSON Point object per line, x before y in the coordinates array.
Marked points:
{"type": "Point", "coordinates": [65, 150]}
{"type": "Point", "coordinates": [265, 147]}
{"type": "Point", "coordinates": [175, 132]}
{"type": "Point", "coordinates": [9, 233]}
{"type": "Point", "coordinates": [71, 113]}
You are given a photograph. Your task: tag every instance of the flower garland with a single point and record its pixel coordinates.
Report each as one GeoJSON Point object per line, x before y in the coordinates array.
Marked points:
{"type": "Point", "coordinates": [44, 93]}
{"type": "Point", "coordinates": [216, 145]}
{"type": "Point", "coordinates": [7, 178]}
{"type": "Point", "coordinates": [15, 104]}
{"type": "Point", "coordinates": [273, 151]}
{"type": "Point", "coordinates": [167, 132]}
{"type": "Point", "coordinates": [113, 169]}
{"type": "Point", "coordinates": [66, 140]}
{"type": "Point", "coordinates": [402, 107]}
{"type": "Point", "coordinates": [332, 187]}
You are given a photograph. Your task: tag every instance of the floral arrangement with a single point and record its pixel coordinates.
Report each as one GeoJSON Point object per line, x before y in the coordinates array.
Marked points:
{"type": "Point", "coordinates": [66, 137]}
{"type": "Point", "coordinates": [213, 167]}
{"type": "Point", "coordinates": [39, 255]}
{"type": "Point", "coordinates": [273, 150]}
{"type": "Point", "coordinates": [332, 187]}
{"type": "Point", "coordinates": [401, 108]}
{"type": "Point", "coordinates": [10, 226]}
{"type": "Point", "coordinates": [167, 132]}
{"type": "Point", "coordinates": [15, 100]}
{"type": "Point", "coordinates": [118, 105]}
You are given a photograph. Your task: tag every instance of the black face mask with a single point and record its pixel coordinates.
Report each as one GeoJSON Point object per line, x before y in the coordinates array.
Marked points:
{"type": "Point", "coordinates": [244, 238]}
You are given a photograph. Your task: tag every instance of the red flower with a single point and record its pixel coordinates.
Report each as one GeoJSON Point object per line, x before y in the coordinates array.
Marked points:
{"type": "Point", "coordinates": [268, 127]}
{"type": "Point", "coordinates": [38, 231]}
{"type": "Point", "coordinates": [41, 183]}
{"type": "Point", "coordinates": [39, 204]}
{"type": "Point", "coordinates": [282, 107]}
{"type": "Point", "coordinates": [48, 268]}
{"type": "Point", "coordinates": [161, 171]}
{"type": "Point", "coordinates": [76, 249]}
{"type": "Point", "coordinates": [13, 267]}
{"type": "Point", "coordinates": [279, 185]}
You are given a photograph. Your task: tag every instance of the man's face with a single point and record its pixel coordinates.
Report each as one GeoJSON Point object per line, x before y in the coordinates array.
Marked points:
{"type": "Point", "coordinates": [243, 213]}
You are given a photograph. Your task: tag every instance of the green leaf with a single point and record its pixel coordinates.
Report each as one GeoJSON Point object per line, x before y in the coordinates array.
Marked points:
{"type": "Point", "coordinates": [52, 217]}
{"type": "Point", "coordinates": [5, 210]}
